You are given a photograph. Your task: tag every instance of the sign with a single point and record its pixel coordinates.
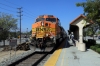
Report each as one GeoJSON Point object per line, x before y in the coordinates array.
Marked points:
{"type": "Point", "coordinates": [13, 42]}
{"type": "Point", "coordinates": [42, 29]}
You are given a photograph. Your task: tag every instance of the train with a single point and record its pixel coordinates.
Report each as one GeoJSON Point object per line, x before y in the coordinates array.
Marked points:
{"type": "Point", "coordinates": [47, 30]}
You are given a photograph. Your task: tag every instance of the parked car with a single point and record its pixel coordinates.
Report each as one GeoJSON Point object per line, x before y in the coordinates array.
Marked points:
{"type": "Point", "coordinates": [98, 37]}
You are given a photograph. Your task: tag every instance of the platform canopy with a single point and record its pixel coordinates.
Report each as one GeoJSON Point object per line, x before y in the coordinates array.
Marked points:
{"type": "Point", "coordinates": [79, 21]}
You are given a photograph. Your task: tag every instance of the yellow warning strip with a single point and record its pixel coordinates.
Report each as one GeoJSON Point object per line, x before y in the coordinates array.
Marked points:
{"type": "Point", "coordinates": [53, 59]}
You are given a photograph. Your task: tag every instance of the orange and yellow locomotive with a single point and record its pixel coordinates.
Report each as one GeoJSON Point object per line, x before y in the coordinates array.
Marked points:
{"type": "Point", "coordinates": [46, 29]}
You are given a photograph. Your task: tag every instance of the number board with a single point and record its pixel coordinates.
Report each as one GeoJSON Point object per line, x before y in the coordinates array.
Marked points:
{"type": "Point", "coordinates": [13, 42]}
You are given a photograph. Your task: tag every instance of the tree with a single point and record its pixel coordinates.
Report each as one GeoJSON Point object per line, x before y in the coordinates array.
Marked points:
{"type": "Point", "coordinates": [87, 32]}
{"type": "Point", "coordinates": [98, 32]}
{"type": "Point", "coordinates": [7, 22]}
{"type": "Point", "coordinates": [92, 13]}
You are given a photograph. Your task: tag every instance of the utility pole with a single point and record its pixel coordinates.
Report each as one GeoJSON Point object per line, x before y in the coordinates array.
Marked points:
{"type": "Point", "coordinates": [20, 14]}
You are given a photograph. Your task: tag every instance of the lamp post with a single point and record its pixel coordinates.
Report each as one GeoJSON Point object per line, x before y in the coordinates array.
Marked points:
{"type": "Point", "coordinates": [27, 32]}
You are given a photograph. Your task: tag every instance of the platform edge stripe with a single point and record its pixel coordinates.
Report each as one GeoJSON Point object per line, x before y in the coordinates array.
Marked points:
{"type": "Point", "coordinates": [56, 55]}
{"type": "Point", "coordinates": [53, 62]}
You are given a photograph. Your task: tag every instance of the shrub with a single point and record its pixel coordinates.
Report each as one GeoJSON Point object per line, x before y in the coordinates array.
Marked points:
{"type": "Point", "coordinates": [93, 48]}
{"type": "Point", "coordinates": [97, 45]}
{"type": "Point", "coordinates": [98, 50]}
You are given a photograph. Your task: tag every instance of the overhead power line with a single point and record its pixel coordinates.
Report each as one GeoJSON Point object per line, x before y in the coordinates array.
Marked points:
{"type": "Point", "coordinates": [29, 12]}
{"type": "Point", "coordinates": [7, 5]}
{"type": "Point", "coordinates": [7, 9]}
{"type": "Point", "coordinates": [11, 3]}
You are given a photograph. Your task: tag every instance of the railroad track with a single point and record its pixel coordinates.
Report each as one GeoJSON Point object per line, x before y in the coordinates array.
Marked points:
{"type": "Point", "coordinates": [35, 58]}
{"type": "Point", "coordinates": [32, 59]}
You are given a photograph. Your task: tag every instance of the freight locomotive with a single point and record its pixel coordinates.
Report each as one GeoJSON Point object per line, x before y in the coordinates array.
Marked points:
{"type": "Point", "coordinates": [47, 30]}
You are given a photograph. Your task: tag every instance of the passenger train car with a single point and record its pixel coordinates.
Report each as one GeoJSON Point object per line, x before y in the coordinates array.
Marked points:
{"type": "Point", "coordinates": [46, 30]}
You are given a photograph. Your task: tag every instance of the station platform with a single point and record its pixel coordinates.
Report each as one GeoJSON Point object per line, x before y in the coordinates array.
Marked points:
{"type": "Point", "coordinates": [69, 55]}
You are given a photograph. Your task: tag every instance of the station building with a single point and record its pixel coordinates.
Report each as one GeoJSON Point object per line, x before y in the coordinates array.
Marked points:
{"type": "Point", "coordinates": [76, 27]}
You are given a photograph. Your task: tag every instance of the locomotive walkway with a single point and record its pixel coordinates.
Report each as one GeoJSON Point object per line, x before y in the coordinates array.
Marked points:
{"type": "Point", "coordinates": [71, 56]}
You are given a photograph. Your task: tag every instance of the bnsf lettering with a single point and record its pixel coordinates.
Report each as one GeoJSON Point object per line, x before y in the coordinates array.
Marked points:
{"type": "Point", "coordinates": [42, 29]}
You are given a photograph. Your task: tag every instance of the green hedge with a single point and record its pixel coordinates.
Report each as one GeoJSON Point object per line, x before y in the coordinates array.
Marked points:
{"type": "Point", "coordinates": [93, 48]}
{"type": "Point", "coordinates": [96, 48]}
{"type": "Point", "coordinates": [97, 45]}
{"type": "Point", "coordinates": [92, 45]}
{"type": "Point", "coordinates": [90, 42]}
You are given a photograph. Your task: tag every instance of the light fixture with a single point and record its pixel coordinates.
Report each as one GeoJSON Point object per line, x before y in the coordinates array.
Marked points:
{"type": "Point", "coordinates": [42, 23]}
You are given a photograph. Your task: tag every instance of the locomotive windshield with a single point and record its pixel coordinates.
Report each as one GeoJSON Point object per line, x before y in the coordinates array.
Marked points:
{"type": "Point", "coordinates": [51, 19]}
{"type": "Point", "coordinates": [39, 19]}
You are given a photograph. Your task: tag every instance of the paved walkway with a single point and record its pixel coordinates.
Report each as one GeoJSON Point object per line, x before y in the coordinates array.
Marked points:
{"type": "Point", "coordinates": [71, 56]}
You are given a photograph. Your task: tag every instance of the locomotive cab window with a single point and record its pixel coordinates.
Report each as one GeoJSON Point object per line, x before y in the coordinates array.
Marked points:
{"type": "Point", "coordinates": [51, 19]}
{"type": "Point", "coordinates": [59, 22]}
{"type": "Point", "coordinates": [39, 19]}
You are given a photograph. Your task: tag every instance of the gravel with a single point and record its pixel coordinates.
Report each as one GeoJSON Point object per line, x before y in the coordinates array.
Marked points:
{"type": "Point", "coordinates": [9, 60]}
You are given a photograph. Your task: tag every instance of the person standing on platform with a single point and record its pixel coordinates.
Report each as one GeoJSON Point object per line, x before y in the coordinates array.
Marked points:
{"type": "Point", "coordinates": [73, 40]}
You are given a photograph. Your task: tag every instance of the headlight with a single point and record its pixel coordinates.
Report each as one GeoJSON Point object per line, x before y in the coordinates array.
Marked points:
{"type": "Point", "coordinates": [42, 23]}
{"type": "Point", "coordinates": [47, 34]}
{"type": "Point", "coordinates": [33, 35]}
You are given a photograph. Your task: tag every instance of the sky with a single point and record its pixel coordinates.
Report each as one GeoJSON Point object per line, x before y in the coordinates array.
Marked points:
{"type": "Point", "coordinates": [65, 10]}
